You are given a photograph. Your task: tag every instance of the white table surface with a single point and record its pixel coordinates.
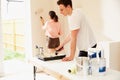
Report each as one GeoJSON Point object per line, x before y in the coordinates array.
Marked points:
{"type": "Point", "coordinates": [59, 69]}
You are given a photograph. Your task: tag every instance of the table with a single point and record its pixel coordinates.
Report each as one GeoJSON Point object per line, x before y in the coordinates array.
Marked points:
{"type": "Point", "coordinates": [59, 70]}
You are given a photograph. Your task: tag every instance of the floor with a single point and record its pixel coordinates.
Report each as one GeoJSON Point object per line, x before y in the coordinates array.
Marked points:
{"type": "Point", "coordinates": [19, 70]}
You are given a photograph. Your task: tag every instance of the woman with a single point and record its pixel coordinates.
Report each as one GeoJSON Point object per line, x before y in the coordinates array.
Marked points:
{"type": "Point", "coordinates": [53, 31]}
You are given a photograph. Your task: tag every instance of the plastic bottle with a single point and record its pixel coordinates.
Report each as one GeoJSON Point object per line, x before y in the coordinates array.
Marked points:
{"type": "Point", "coordinates": [89, 67]}
{"type": "Point", "coordinates": [102, 66]}
{"type": "Point", "coordinates": [85, 67]}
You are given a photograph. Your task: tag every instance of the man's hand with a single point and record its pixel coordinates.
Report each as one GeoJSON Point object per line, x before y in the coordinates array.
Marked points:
{"type": "Point", "coordinates": [69, 58]}
{"type": "Point", "coordinates": [59, 48]}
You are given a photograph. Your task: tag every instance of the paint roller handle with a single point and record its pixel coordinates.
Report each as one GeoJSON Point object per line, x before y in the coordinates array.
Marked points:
{"type": "Point", "coordinates": [41, 17]}
{"type": "Point", "coordinates": [42, 20]}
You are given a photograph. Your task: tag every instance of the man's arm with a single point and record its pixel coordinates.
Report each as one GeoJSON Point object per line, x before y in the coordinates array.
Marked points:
{"type": "Point", "coordinates": [73, 36]}
{"type": "Point", "coordinates": [67, 39]}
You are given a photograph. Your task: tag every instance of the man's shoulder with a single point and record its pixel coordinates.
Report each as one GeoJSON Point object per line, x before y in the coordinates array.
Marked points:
{"type": "Point", "coordinates": [78, 9]}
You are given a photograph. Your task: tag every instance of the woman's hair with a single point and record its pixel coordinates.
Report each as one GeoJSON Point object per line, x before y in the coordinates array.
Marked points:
{"type": "Point", "coordinates": [53, 16]}
{"type": "Point", "coordinates": [65, 2]}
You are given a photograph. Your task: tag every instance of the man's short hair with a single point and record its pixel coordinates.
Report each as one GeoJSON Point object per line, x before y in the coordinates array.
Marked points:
{"type": "Point", "coordinates": [65, 2]}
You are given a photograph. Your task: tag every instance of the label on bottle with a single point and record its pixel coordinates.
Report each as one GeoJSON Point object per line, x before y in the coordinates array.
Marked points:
{"type": "Point", "coordinates": [102, 65]}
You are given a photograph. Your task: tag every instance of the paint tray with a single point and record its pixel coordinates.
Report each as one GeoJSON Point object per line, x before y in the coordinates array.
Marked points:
{"type": "Point", "coordinates": [52, 57]}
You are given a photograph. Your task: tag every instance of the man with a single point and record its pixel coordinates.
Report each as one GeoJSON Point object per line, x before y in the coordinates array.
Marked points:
{"type": "Point", "coordinates": [81, 35]}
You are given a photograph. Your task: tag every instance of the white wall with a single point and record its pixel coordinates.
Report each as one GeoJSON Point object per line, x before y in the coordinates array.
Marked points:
{"type": "Point", "coordinates": [103, 16]}
{"type": "Point", "coordinates": [111, 18]}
